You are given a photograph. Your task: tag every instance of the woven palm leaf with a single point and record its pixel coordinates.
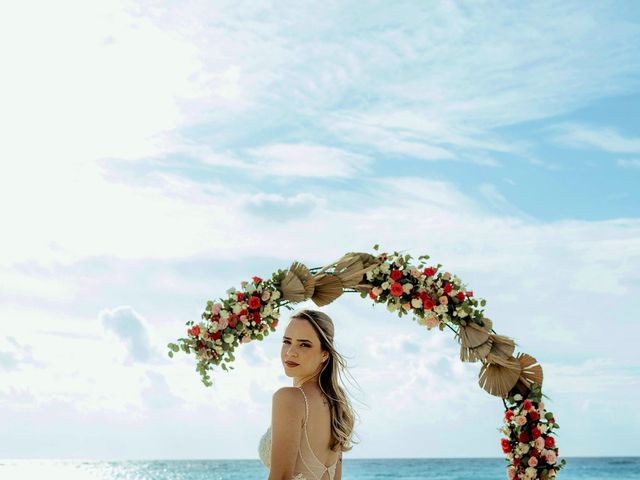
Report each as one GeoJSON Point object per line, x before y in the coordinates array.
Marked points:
{"type": "Point", "coordinates": [472, 335]}
{"type": "Point", "coordinates": [499, 379]}
{"type": "Point", "coordinates": [350, 270]}
{"type": "Point", "coordinates": [477, 353]}
{"type": "Point", "coordinates": [327, 289]}
{"type": "Point", "coordinates": [501, 349]}
{"type": "Point", "coordinates": [488, 324]}
{"type": "Point", "coordinates": [531, 370]}
{"type": "Point", "coordinates": [297, 284]}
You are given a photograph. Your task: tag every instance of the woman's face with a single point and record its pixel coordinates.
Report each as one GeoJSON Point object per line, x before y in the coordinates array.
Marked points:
{"type": "Point", "coordinates": [301, 345]}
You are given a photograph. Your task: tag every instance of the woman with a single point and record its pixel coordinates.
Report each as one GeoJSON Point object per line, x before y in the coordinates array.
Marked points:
{"type": "Point", "coordinates": [311, 422]}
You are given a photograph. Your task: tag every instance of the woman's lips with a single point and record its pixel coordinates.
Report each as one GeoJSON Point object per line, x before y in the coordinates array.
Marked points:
{"type": "Point", "coordinates": [290, 364]}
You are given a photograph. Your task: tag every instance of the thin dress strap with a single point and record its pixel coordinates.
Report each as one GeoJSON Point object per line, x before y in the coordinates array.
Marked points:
{"type": "Point", "coordinates": [331, 468]}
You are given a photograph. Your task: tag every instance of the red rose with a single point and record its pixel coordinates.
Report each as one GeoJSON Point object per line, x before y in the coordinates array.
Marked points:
{"type": "Point", "coordinates": [256, 317]}
{"type": "Point", "coordinates": [527, 405]}
{"type": "Point", "coordinates": [195, 331]}
{"type": "Point", "coordinates": [534, 452]}
{"type": "Point", "coordinates": [523, 437]}
{"type": "Point", "coordinates": [549, 442]}
{"type": "Point", "coordinates": [233, 320]}
{"type": "Point", "coordinates": [239, 296]}
{"type": "Point", "coordinates": [535, 432]}
{"type": "Point", "coordinates": [254, 302]}
{"type": "Point", "coordinates": [516, 462]}
{"type": "Point", "coordinates": [509, 415]}
{"type": "Point", "coordinates": [275, 323]}
{"type": "Point", "coordinates": [506, 446]}
{"type": "Point", "coordinates": [372, 295]}
{"type": "Point", "coordinates": [395, 275]}
{"type": "Point", "coordinates": [428, 304]}
{"type": "Point", "coordinates": [447, 287]}
{"type": "Point", "coordinates": [460, 296]}
{"type": "Point", "coordinates": [256, 280]}
{"type": "Point", "coordinates": [469, 293]}
{"type": "Point", "coordinates": [244, 311]}
{"type": "Point", "coordinates": [534, 415]}
{"type": "Point", "coordinates": [429, 271]}
{"type": "Point", "coordinates": [216, 335]}
{"type": "Point", "coordinates": [396, 289]}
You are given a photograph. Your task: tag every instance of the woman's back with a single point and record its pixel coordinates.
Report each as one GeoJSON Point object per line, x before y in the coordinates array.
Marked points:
{"type": "Point", "coordinates": [315, 460]}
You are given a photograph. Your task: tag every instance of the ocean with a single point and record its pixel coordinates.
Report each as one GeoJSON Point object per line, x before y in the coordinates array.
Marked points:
{"type": "Point", "coordinates": [583, 468]}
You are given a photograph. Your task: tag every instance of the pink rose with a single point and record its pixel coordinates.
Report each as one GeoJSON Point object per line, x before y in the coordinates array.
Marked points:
{"type": "Point", "coordinates": [511, 472]}
{"type": "Point", "coordinates": [216, 309]}
{"type": "Point", "coordinates": [432, 322]}
{"type": "Point", "coordinates": [223, 323]}
{"type": "Point", "coordinates": [406, 306]}
{"type": "Point", "coordinates": [539, 443]}
{"type": "Point", "coordinates": [551, 457]}
{"type": "Point", "coordinates": [245, 339]}
{"type": "Point", "coordinates": [520, 420]}
{"type": "Point", "coordinates": [533, 462]}
{"type": "Point", "coordinates": [446, 276]}
{"type": "Point", "coordinates": [265, 295]}
{"type": "Point", "coordinates": [443, 300]}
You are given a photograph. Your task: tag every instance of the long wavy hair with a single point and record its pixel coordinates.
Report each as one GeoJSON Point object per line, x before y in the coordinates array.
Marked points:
{"type": "Point", "coordinates": [342, 413]}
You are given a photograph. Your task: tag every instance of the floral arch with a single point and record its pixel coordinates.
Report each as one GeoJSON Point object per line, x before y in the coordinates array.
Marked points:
{"type": "Point", "coordinates": [432, 299]}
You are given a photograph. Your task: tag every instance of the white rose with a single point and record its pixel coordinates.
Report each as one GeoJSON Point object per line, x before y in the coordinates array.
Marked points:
{"type": "Point", "coordinates": [407, 287]}
{"type": "Point", "coordinates": [517, 397]}
{"type": "Point", "coordinates": [462, 313]}
{"type": "Point", "coordinates": [228, 338]}
{"type": "Point", "coordinates": [237, 307]}
{"type": "Point", "coordinates": [385, 286]}
{"type": "Point", "coordinates": [392, 307]}
{"type": "Point", "coordinates": [224, 314]}
{"type": "Point", "coordinates": [416, 303]}
{"type": "Point", "coordinates": [231, 290]}
{"type": "Point", "coordinates": [275, 295]}
{"type": "Point", "coordinates": [384, 268]}
{"type": "Point", "coordinates": [369, 276]}
{"type": "Point", "coordinates": [376, 270]}
{"type": "Point", "coordinates": [219, 350]}
{"type": "Point", "coordinates": [267, 310]}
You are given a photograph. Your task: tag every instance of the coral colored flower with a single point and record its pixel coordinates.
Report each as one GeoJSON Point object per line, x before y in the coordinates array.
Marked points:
{"type": "Point", "coordinates": [194, 331]}
{"type": "Point", "coordinates": [511, 473]}
{"type": "Point", "coordinates": [396, 289]}
{"type": "Point", "coordinates": [443, 300]}
{"type": "Point", "coordinates": [254, 302]}
{"type": "Point", "coordinates": [533, 462]}
{"type": "Point", "coordinates": [432, 322]}
{"type": "Point", "coordinates": [395, 275]}
{"type": "Point", "coordinates": [372, 295]}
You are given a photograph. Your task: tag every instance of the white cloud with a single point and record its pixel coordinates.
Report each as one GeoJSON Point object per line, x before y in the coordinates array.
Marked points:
{"type": "Point", "coordinates": [590, 136]}
{"type": "Point", "coordinates": [132, 329]}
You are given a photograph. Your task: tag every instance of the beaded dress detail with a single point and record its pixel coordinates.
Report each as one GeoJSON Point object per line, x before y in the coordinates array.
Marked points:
{"type": "Point", "coordinates": [315, 468]}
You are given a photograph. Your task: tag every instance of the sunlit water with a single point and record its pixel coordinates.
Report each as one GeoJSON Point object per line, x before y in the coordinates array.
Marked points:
{"type": "Point", "coordinates": [583, 468]}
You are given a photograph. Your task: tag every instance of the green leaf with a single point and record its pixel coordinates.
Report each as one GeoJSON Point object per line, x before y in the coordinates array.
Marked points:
{"type": "Point", "coordinates": [171, 354]}
{"type": "Point", "coordinates": [376, 246]}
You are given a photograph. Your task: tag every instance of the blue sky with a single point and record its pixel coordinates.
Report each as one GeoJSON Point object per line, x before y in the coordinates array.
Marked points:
{"type": "Point", "coordinates": [157, 153]}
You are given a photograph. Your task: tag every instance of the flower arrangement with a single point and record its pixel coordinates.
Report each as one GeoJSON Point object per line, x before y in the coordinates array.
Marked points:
{"type": "Point", "coordinates": [529, 446]}
{"type": "Point", "coordinates": [434, 298]}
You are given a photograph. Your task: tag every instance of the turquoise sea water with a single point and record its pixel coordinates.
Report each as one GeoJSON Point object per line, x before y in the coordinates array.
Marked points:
{"type": "Point", "coordinates": [583, 468]}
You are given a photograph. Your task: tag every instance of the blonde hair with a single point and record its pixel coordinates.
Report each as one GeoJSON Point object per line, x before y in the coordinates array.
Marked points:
{"type": "Point", "coordinates": [342, 413]}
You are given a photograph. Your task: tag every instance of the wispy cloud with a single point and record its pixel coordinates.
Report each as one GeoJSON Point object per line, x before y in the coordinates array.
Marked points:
{"type": "Point", "coordinates": [588, 137]}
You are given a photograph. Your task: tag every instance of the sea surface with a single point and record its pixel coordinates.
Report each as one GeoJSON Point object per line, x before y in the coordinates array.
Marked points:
{"type": "Point", "coordinates": [583, 468]}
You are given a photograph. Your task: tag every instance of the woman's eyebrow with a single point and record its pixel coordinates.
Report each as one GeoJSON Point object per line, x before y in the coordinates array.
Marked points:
{"type": "Point", "coordinates": [300, 339]}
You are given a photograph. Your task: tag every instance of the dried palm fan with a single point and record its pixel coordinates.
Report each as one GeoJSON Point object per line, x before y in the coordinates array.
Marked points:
{"type": "Point", "coordinates": [501, 349]}
{"type": "Point", "coordinates": [472, 335]}
{"type": "Point", "coordinates": [351, 270]}
{"type": "Point", "coordinates": [531, 370]}
{"type": "Point", "coordinates": [499, 379]}
{"type": "Point", "coordinates": [298, 283]}
{"type": "Point", "coordinates": [477, 353]}
{"type": "Point", "coordinates": [327, 288]}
